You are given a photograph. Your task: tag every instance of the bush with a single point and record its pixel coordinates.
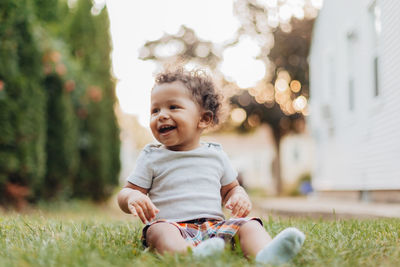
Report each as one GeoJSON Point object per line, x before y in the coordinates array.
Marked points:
{"type": "Point", "coordinates": [58, 131]}
{"type": "Point", "coordinates": [22, 99]}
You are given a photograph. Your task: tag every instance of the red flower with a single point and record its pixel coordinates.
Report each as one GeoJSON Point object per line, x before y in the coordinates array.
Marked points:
{"type": "Point", "coordinates": [69, 85]}
{"type": "Point", "coordinates": [95, 93]}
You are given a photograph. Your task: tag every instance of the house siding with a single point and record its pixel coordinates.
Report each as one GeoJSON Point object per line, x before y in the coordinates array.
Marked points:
{"type": "Point", "coordinates": [358, 148]}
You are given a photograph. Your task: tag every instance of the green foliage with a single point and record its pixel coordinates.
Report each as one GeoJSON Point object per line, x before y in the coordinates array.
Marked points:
{"type": "Point", "coordinates": [56, 100]}
{"type": "Point", "coordinates": [22, 99]}
{"type": "Point", "coordinates": [47, 10]}
{"type": "Point", "coordinates": [62, 138]}
{"type": "Point", "coordinates": [90, 44]}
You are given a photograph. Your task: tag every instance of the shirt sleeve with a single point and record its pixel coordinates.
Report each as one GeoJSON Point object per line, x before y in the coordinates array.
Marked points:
{"type": "Point", "coordinates": [230, 174]}
{"type": "Point", "coordinates": [143, 173]}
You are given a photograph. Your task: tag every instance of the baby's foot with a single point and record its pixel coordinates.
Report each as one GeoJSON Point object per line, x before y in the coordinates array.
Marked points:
{"type": "Point", "coordinates": [209, 247]}
{"type": "Point", "coordinates": [282, 248]}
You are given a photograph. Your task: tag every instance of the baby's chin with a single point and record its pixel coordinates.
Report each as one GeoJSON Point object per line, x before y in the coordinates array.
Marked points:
{"type": "Point", "coordinates": [170, 145]}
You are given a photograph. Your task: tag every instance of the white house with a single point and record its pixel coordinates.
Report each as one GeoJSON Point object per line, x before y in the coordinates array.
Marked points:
{"type": "Point", "coordinates": [355, 97]}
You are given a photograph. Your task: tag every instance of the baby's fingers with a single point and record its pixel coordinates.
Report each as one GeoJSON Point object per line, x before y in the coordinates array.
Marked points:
{"type": "Point", "coordinates": [232, 203]}
{"type": "Point", "coordinates": [243, 211]}
{"type": "Point", "coordinates": [248, 210]}
{"type": "Point", "coordinates": [140, 213]}
{"type": "Point", "coordinates": [151, 210]}
{"type": "Point", "coordinates": [229, 205]}
{"type": "Point", "coordinates": [132, 210]}
{"type": "Point", "coordinates": [235, 209]}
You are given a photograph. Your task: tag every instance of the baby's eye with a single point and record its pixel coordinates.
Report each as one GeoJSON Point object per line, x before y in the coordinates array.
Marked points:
{"type": "Point", "coordinates": [155, 110]}
{"type": "Point", "coordinates": [173, 107]}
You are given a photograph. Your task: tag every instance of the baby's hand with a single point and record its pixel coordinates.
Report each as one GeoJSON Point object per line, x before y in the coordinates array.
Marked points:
{"type": "Point", "coordinates": [140, 205]}
{"type": "Point", "coordinates": [239, 204]}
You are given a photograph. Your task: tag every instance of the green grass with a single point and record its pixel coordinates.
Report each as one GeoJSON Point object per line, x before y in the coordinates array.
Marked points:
{"type": "Point", "coordinates": [80, 234]}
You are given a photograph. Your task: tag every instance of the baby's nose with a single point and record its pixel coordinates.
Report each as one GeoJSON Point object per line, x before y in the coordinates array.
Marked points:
{"type": "Point", "coordinates": [163, 115]}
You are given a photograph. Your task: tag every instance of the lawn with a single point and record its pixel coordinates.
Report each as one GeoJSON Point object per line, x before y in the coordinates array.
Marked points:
{"type": "Point", "coordinates": [80, 234]}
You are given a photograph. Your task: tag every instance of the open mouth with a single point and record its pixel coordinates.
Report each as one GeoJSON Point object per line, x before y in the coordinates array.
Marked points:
{"type": "Point", "coordinates": [166, 128]}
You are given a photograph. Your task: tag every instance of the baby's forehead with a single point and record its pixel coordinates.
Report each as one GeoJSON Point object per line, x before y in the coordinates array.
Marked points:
{"type": "Point", "coordinates": [170, 93]}
{"type": "Point", "coordinates": [175, 84]}
{"type": "Point", "coordinates": [167, 90]}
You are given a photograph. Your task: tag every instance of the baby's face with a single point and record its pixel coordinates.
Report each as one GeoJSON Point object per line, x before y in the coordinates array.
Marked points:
{"type": "Point", "coordinates": [175, 116]}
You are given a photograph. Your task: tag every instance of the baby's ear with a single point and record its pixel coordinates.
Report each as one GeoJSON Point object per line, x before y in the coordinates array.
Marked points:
{"type": "Point", "coordinates": [206, 119]}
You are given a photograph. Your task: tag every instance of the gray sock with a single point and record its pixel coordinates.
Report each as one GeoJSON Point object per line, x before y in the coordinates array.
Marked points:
{"type": "Point", "coordinates": [282, 248]}
{"type": "Point", "coordinates": [209, 247]}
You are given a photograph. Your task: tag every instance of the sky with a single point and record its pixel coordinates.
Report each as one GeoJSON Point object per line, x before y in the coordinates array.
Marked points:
{"type": "Point", "coordinates": [133, 22]}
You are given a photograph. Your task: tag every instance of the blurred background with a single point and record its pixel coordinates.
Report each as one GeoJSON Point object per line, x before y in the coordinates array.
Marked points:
{"type": "Point", "coordinates": [311, 91]}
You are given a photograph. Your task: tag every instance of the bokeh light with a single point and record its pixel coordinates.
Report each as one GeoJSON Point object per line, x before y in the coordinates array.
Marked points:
{"type": "Point", "coordinates": [254, 120]}
{"type": "Point", "coordinates": [239, 63]}
{"type": "Point", "coordinates": [317, 3]}
{"type": "Point", "coordinates": [281, 85]}
{"type": "Point", "coordinates": [238, 115]}
{"type": "Point", "coordinates": [300, 103]}
{"type": "Point", "coordinates": [295, 86]}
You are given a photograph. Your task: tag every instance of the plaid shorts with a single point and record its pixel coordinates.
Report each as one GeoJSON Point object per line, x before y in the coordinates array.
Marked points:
{"type": "Point", "coordinates": [198, 230]}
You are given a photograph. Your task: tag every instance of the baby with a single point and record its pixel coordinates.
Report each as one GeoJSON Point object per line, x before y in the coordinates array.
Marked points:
{"type": "Point", "coordinates": [179, 185]}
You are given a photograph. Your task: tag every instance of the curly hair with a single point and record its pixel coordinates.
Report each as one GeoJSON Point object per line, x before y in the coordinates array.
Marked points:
{"type": "Point", "coordinates": [200, 85]}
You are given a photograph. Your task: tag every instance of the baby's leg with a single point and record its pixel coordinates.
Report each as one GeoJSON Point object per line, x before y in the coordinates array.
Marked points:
{"type": "Point", "coordinates": [282, 248]}
{"type": "Point", "coordinates": [255, 241]}
{"type": "Point", "coordinates": [253, 238]}
{"type": "Point", "coordinates": [165, 237]}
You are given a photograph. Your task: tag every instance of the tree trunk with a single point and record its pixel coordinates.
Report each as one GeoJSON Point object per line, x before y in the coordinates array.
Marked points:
{"type": "Point", "coordinates": [276, 163]}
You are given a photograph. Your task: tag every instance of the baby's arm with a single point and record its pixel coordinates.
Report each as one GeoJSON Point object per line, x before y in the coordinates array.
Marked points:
{"type": "Point", "coordinates": [133, 199]}
{"type": "Point", "coordinates": [235, 198]}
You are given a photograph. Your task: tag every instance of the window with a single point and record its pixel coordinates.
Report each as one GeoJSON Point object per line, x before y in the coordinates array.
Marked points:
{"type": "Point", "coordinates": [351, 93]}
{"type": "Point", "coordinates": [376, 76]}
{"type": "Point", "coordinates": [351, 50]}
{"type": "Point", "coordinates": [375, 29]}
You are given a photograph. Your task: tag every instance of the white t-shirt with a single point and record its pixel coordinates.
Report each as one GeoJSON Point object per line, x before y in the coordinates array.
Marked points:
{"type": "Point", "coordinates": [184, 185]}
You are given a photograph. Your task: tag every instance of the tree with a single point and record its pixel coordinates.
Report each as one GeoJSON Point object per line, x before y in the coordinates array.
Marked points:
{"type": "Point", "coordinates": [280, 100]}
{"type": "Point", "coordinates": [22, 103]}
{"type": "Point", "coordinates": [58, 130]}
{"type": "Point", "coordinates": [58, 82]}
{"type": "Point", "coordinates": [89, 43]}
{"type": "Point", "coordinates": [289, 58]}
{"type": "Point", "coordinates": [62, 138]}
{"type": "Point", "coordinates": [184, 46]}
{"type": "Point", "coordinates": [288, 82]}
